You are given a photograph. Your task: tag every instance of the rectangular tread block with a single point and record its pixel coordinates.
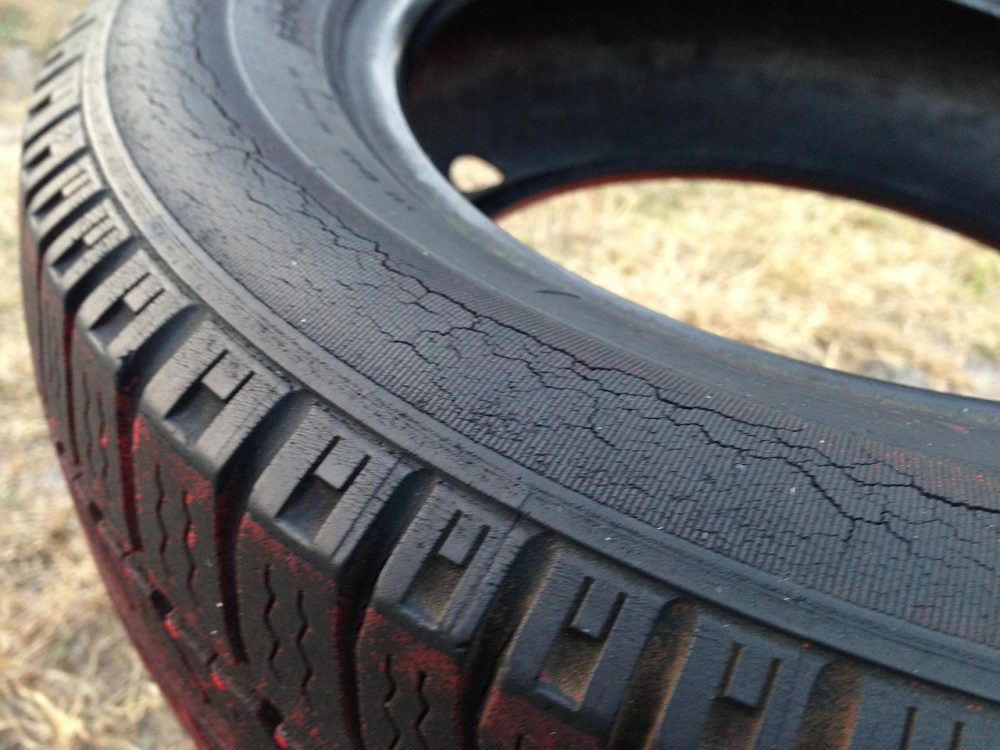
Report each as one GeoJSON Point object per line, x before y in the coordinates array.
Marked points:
{"type": "Point", "coordinates": [321, 482]}
{"type": "Point", "coordinates": [81, 247]}
{"type": "Point", "coordinates": [131, 305]}
{"type": "Point", "coordinates": [182, 518]}
{"type": "Point", "coordinates": [577, 655]}
{"type": "Point", "coordinates": [596, 610]}
{"type": "Point", "coordinates": [184, 394]}
{"type": "Point", "coordinates": [342, 464]}
{"type": "Point", "coordinates": [52, 101]}
{"type": "Point", "coordinates": [43, 159]}
{"type": "Point", "coordinates": [310, 505]}
{"type": "Point", "coordinates": [102, 371]}
{"type": "Point", "coordinates": [288, 609]}
{"type": "Point", "coordinates": [751, 676]}
{"type": "Point", "coordinates": [60, 198]}
{"type": "Point", "coordinates": [438, 593]}
{"type": "Point", "coordinates": [442, 573]}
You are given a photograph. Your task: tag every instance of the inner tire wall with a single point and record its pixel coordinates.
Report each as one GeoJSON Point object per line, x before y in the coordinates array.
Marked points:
{"type": "Point", "coordinates": [890, 102]}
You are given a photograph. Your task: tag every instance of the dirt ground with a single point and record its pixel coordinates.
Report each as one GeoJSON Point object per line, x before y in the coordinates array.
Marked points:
{"type": "Point", "coordinates": [832, 282]}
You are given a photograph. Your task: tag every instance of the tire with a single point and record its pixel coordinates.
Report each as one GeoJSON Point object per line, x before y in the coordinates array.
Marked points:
{"type": "Point", "coordinates": [360, 471]}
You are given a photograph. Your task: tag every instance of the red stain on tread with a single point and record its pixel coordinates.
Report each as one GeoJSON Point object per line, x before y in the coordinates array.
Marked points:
{"type": "Point", "coordinates": [171, 630]}
{"type": "Point", "coordinates": [218, 683]}
{"type": "Point", "coordinates": [137, 431]}
{"type": "Point", "coordinates": [415, 662]}
{"type": "Point", "coordinates": [252, 531]}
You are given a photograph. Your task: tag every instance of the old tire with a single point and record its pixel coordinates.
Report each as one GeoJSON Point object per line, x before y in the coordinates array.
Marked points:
{"type": "Point", "coordinates": [360, 471]}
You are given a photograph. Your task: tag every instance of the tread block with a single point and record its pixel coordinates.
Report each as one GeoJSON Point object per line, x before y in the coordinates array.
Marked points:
{"type": "Point", "coordinates": [164, 493]}
{"type": "Point", "coordinates": [376, 500]}
{"type": "Point", "coordinates": [433, 590]}
{"type": "Point", "coordinates": [340, 498]}
{"type": "Point", "coordinates": [70, 258]}
{"type": "Point", "coordinates": [318, 487]}
{"type": "Point", "coordinates": [308, 508]}
{"type": "Point", "coordinates": [65, 53]}
{"type": "Point", "coordinates": [180, 516]}
{"type": "Point", "coordinates": [653, 682]}
{"type": "Point", "coordinates": [737, 712]}
{"type": "Point", "coordinates": [569, 667]}
{"type": "Point", "coordinates": [67, 50]}
{"type": "Point", "coordinates": [436, 593]}
{"type": "Point", "coordinates": [751, 677]}
{"type": "Point", "coordinates": [447, 568]}
{"type": "Point", "coordinates": [82, 246]}
{"type": "Point", "coordinates": [184, 394]}
{"type": "Point", "coordinates": [829, 717]}
{"type": "Point", "coordinates": [596, 610]}
{"type": "Point", "coordinates": [899, 713]}
{"type": "Point", "coordinates": [78, 25]}
{"type": "Point", "coordinates": [50, 329]}
{"type": "Point", "coordinates": [571, 663]}
{"type": "Point", "coordinates": [58, 200]}
{"type": "Point", "coordinates": [700, 713]}
{"type": "Point", "coordinates": [465, 537]}
{"type": "Point", "coordinates": [53, 100]}
{"type": "Point", "coordinates": [113, 325]}
{"type": "Point", "coordinates": [288, 609]}
{"type": "Point", "coordinates": [46, 156]}
{"type": "Point", "coordinates": [109, 310]}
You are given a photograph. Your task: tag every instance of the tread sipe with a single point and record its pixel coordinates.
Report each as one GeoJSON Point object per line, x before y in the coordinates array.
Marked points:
{"type": "Point", "coordinates": [298, 576]}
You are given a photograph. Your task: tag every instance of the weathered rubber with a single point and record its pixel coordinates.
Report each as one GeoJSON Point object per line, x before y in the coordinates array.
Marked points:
{"type": "Point", "coordinates": [294, 577]}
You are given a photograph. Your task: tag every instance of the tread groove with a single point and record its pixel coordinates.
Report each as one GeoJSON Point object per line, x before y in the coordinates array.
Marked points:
{"type": "Point", "coordinates": [237, 477]}
{"type": "Point", "coordinates": [54, 172]}
{"type": "Point", "coordinates": [49, 73]}
{"type": "Point", "coordinates": [368, 558]}
{"type": "Point", "coordinates": [387, 701]}
{"type": "Point", "coordinates": [498, 628]}
{"type": "Point", "coordinates": [299, 636]}
{"type": "Point", "coordinates": [136, 374]}
{"type": "Point", "coordinates": [53, 233]}
{"type": "Point", "coordinates": [50, 126]}
{"type": "Point", "coordinates": [425, 708]}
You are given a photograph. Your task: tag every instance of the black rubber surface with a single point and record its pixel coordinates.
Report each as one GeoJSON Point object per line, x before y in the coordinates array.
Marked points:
{"type": "Point", "coordinates": [361, 471]}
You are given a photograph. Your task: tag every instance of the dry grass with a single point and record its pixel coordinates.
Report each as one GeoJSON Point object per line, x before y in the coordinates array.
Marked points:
{"type": "Point", "coordinates": [69, 678]}
{"type": "Point", "coordinates": [909, 300]}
